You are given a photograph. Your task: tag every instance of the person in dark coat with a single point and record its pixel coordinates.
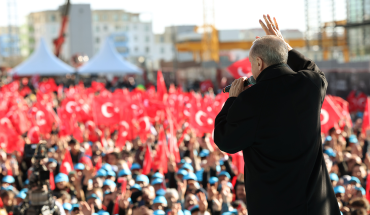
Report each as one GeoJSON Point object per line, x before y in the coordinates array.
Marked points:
{"type": "Point", "coordinates": [276, 123]}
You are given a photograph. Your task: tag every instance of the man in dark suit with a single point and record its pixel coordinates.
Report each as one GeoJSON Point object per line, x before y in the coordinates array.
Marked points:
{"type": "Point", "coordinates": [276, 123]}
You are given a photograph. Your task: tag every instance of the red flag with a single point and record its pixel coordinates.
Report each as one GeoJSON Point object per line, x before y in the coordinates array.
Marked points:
{"type": "Point", "coordinates": [48, 86]}
{"type": "Point", "coordinates": [147, 164]}
{"type": "Point", "coordinates": [123, 182]}
{"type": "Point", "coordinates": [161, 85]}
{"type": "Point", "coordinates": [368, 187]}
{"type": "Point", "coordinates": [330, 115]}
{"type": "Point", "coordinates": [51, 180]}
{"type": "Point", "coordinates": [34, 134]}
{"type": "Point", "coordinates": [366, 119]}
{"type": "Point", "coordinates": [106, 111]}
{"type": "Point", "coordinates": [356, 102]}
{"type": "Point", "coordinates": [160, 160]}
{"type": "Point", "coordinates": [67, 165]}
{"type": "Point", "coordinates": [241, 68]}
{"type": "Point", "coordinates": [172, 145]}
{"type": "Point", "coordinates": [205, 85]}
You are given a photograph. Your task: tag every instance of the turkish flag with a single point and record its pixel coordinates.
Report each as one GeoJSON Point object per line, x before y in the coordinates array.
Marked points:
{"type": "Point", "coordinates": [241, 68]}
{"type": "Point", "coordinates": [48, 86]}
{"type": "Point", "coordinates": [173, 148]}
{"type": "Point", "coordinates": [147, 164]}
{"type": "Point", "coordinates": [330, 115]}
{"type": "Point", "coordinates": [202, 119]}
{"type": "Point", "coordinates": [366, 119]}
{"type": "Point", "coordinates": [343, 107]}
{"type": "Point", "coordinates": [356, 102]}
{"type": "Point", "coordinates": [43, 118]}
{"type": "Point", "coordinates": [106, 111]}
{"type": "Point", "coordinates": [160, 160]}
{"type": "Point", "coordinates": [34, 134]}
{"type": "Point", "coordinates": [97, 86]}
{"type": "Point", "coordinates": [67, 165]}
{"type": "Point", "coordinates": [205, 85]}
{"type": "Point", "coordinates": [124, 133]}
{"type": "Point", "coordinates": [161, 85]}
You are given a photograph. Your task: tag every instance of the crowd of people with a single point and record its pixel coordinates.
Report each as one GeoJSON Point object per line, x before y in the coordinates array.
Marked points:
{"type": "Point", "coordinates": [107, 179]}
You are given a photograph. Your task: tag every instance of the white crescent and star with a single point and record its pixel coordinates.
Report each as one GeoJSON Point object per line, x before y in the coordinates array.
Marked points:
{"type": "Point", "coordinates": [69, 106]}
{"type": "Point", "coordinates": [104, 109]}
{"type": "Point", "coordinates": [241, 73]}
{"type": "Point", "coordinates": [325, 115]}
{"type": "Point", "coordinates": [39, 120]}
{"type": "Point", "coordinates": [197, 117]}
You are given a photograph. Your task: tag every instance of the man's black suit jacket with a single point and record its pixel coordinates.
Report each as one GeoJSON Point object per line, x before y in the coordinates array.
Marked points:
{"type": "Point", "coordinates": [276, 123]}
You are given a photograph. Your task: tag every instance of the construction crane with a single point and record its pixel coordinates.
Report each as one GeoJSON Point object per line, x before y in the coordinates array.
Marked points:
{"type": "Point", "coordinates": [58, 42]}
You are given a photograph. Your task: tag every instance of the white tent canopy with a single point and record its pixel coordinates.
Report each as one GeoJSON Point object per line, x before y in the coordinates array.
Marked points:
{"type": "Point", "coordinates": [108, 61]}
{"type": "Point", "coordinates": [42, 62]}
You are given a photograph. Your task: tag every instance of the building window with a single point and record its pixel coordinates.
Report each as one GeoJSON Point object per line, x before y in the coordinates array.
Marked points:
{"type": "Point", "coordinates": [147, 27]}
{"type": "Point", "coordinates": [97, 29]}
{"type": "Point", "coordinates": [115, 17]}
{"type": "Point", "coordinates": [162, 39]}
{"type": "Point", "coordinates": [52, 18]}
{"type": "Point", "coordinates": [147, 49]}
{"type": "Point", "coordinates": [97, 40]}
{"type": "Point", "coordinates": [134, 18]}
{"type": "Point", "coordinates": [135, 38]}
{"type": "Point", "coordinates": [162, 50]}
{"type": "Point", "coordinates": [105, 17]}
{"type": "Point", "coordinates": [147, 39]}
{"type": "Point", "coordinates": [134, 27]}
{"type": "Point", "coordinates": [105, 28]}
{"type": "Point", "coordinates": [124, 17]}
{"type": "Point", "coordinates": [136, 49]}
{"type": "Point", "coordinates": [122, 49]}
{"type": "Point", "coordinates": [96, 17]}
{"type": "Point", "coordinates": [118, 27]}
{"type": "Point", "coordinates": [120, 39]}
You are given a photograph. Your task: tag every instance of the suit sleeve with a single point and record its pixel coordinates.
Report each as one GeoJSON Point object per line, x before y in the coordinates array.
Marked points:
{"type": "Point", "coordinates": [235, 124]}
{"type": "Point", "coordinates": [298, 62]}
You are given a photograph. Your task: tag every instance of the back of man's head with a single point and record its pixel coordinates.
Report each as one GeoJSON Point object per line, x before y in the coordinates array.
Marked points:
{"type": "Point", "coordinates": [271, 49]}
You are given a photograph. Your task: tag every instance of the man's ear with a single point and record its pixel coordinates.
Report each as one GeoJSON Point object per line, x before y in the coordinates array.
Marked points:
{"type": "Point", "coordinates": [259, 63]}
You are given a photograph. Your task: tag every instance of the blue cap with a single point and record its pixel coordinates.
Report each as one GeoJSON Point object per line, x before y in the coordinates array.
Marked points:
{"type": "Point", "coordinates": [52, 160]}
{"type": "Point", "coordinates": [24, 190]}
{"type": "Point", "coordinates": [107, 192]}
{"type": "Point", "coordinates": [93, 196]}
{"type": "Point", "coordinates": [67, 206]}
{"type": "Point", "coordinates": [111, 173]}
{"type": "Point", "coordinates": [188, 167]}
{"type": "Point", "coordinates": [160, 192]}
{"type": "Point", "coordinates": [328, 138]}
{"type": "Point", "coordinates": [183, 161]}
{"type": "Point", "coordinates": [75, 206]}
{"type": "Point", "coordinates": [191, 176]}
{"type": "Point", "coordinates": [101, 173]}
{"type": "Point", "coordinates": [360, 114]}
{"type": "Point", "coordinates": [213, 180]}
{"type": "Point", "coordinates": [182, 172]}
{"type": "Point", "coordinates": [136, 186]}
{"type": "Point", "coordinates": [199, 175]}
{"type": "Point", "coordinates": [194, 208]}
{"type": "Point", "coordinates": [224, 173]}
{"type": "Point", "coordinates": [160, 199]}
{"type": "Point", "coordinates": [8, 188]}
{"type": "Point", "coordinates": [61, 177]}
{"type": "Point", "coordinates": [330, 152]}
{"type": "Point", "coordinates": [124, 172]}
{"type": "Point", "coordinates": [159, 212]}
{"type": "Point", "coordinates": [135, 166]}
{"type": "Point", "coordinates": [101, 212]}
{"type": "Point", "coordinates": [339, 189]}
{"type": "Point", "coordinates": [8, 179]}
{"type": "Point", "coordinates": [334, 177]}
{"type": "Point", "coordinates": [204, 153]}
{"type": "Point", "coordinates": [26, 182]}
{"type": "Point", "coordinates": [355, 179]}
{"type": "Point", "coordinates": [109, 182]}
{"type": "Point", "coordinates": [157, 181]}
{"type": "Point", "coordinates": [21, 195]}
{"type": "Point", "coordinates": [157, 175]}
{"type": "Point", "coordinates": [107, 167]}
{"type": "Point", "coordinates": [353, 139]}
{"type": "Point", "coordinates": [79, 166]}
{"type": "Point", "coordinates": [363, 192]}
{"type": "Point", "coordinates": [142, 178]}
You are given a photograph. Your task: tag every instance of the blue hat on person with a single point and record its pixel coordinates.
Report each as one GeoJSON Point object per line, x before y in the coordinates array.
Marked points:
{"type": "Point", "coordinates": [204, 153]}
{"type": "Point", "coordinates": [159, 212]}
{"type": "Point", "coordinates": [111, 173]}
{"type": "Point", "coordinates": [328, 138]}
{"type": "Point", "coordinates": [135, 166]}
{"type": "Point", "coordinates": [101, 212]}
{"type": "Point", "coordinates": [334, 177]}
{"type": "Point", "coordinates": [157, 175]}
{"type": "Point", "coordinates": [107, 167]}
{"type": "Point", "coordinates": [93, 196]}
{"type": "Point", "coordinates": [224, 173]}
{"type": "Point", "coordinates": [107, 192]}
{"type": "Point", "coordinates": [360, 114]}
{"type": "Point", "coordinates": [183, 161]}
{"type": "Point", "coordinates": [190, 176]}
{"type": "Point", "coordinates": [182, 172]}
{"type": "Point", "coordinates": [101, 173]}
{"type": "Point", "coordinates": [160, 200]}
{"type": "Point", "coordinates": [61, 177]}
{"type": "Point", "coordinates": [330, 152]}
{"type": "Point", "coordinates": [188, 167]}
{"type": "Point", "coordinates": [157, 181]}
{"type": "Point", "coordinates": [363, 192]}
{"type": "Point", "coordinates": [79, 166]}
{"type": "Point", "coordinates": [8, 188]}
{"type": "Point", "coordinates": [136, 186]}
{"type": "Point", "coordinates": [160, 192]}
{"type": "Point", "coordinates": [199, 175]}
{"type": "Point", "coordinates": [142, 178]}
{"type": "Point", "coordinates": [8, 179]}
{"type": "Point", "coordinates": [213, 180]}
{"type": "Point", "coordinates": [109, 182]}
{"type": "Point", "coordinates": [355, 179]}
{"type": "Point", "coordinates": [339, 189]}
{"type": "Point", "coordinates": [124, 172]}
{"type": "Point", "coordinates": [25, 190]}
{"type": "Point", "coordinates": [353, 139]}
{"type": "Point", "coordinates": [26, 182]}
{"type": "Point", "coordinates": [67, 206]}
{"type": "Point", "coordinates": [194, 208]}
{"type": "Point", "coordinates": [21, 195]}
{"type": "Point", "coordinates": [75, 206]}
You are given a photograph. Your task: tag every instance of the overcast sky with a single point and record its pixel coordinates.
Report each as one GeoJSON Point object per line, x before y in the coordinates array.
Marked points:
{"type": "Point", "coordinates": [230, 14]}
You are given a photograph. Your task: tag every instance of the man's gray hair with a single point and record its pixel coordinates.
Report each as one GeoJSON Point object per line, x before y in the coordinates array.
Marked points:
{"type": "Point", "coordinates": [271, 49]}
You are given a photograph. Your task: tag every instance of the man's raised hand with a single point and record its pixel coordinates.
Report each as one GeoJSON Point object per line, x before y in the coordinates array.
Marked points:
{"type": "Point", "coordinates": [272, 28]}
